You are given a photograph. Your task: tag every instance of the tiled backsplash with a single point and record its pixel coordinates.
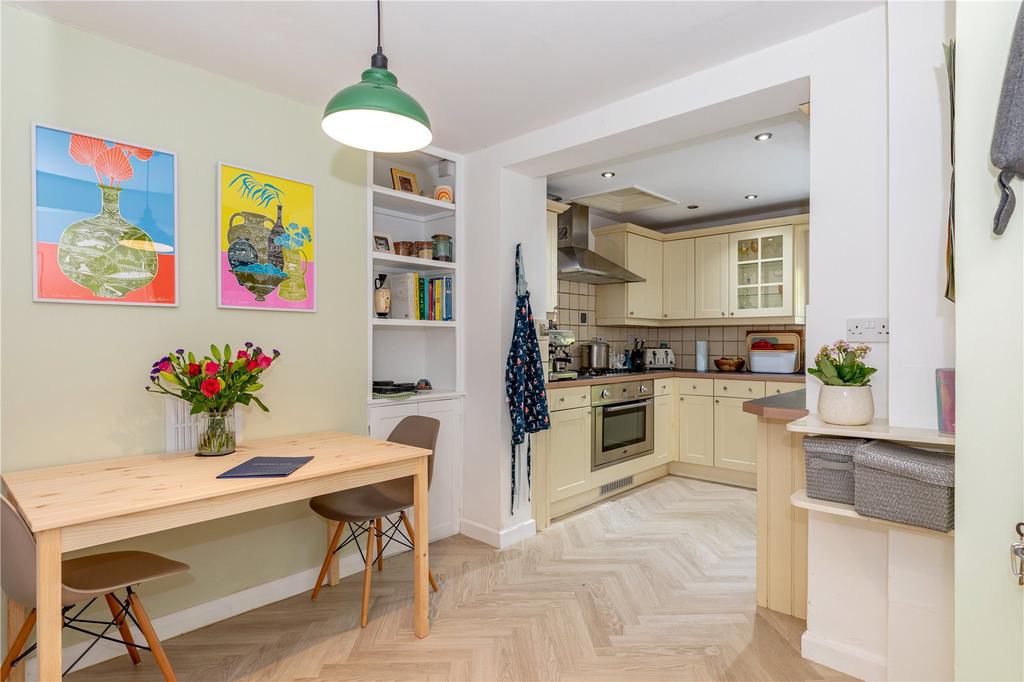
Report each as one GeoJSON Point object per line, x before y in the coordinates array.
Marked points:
{"type": "Point", "coordinates": [575, 298]}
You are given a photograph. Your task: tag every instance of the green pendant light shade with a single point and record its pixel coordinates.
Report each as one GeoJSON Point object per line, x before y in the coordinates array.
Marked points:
{"type": "Point", "coordinates": [375, 114]}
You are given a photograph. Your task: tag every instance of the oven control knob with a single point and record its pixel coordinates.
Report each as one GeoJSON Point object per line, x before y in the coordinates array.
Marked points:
{"type": "Point", "coordinates": [606, 393]}
{"type": "Point", "coordinates": [643, 389]}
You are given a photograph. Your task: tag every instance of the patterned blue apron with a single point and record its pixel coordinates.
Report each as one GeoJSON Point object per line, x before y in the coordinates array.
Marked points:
{"type": "Point", "coordinates": [524, 378]}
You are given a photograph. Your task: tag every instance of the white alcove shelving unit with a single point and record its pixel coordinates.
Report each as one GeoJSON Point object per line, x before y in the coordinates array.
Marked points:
{"type": "Point", "coordinates": [408, 350]}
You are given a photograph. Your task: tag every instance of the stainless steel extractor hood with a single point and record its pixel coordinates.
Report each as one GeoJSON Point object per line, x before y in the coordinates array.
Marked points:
{"type": "Point", "coordinates": [576, 262]}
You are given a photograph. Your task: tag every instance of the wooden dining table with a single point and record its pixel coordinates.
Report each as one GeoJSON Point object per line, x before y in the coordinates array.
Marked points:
{"type": "Point", "coordinates": [78, 506]}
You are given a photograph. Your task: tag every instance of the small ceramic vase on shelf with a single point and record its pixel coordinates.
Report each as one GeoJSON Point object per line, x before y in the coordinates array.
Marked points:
{"type": "Point", "coordinates": [381, 296]}
{"type": "Point", "coordinates": [216, 433]}
{"type": "Point", "coordinates": [846, 405]}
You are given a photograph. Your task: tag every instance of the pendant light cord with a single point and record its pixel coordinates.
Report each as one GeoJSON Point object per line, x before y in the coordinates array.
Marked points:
{"type": "Point", "coordinates": [378, 60]}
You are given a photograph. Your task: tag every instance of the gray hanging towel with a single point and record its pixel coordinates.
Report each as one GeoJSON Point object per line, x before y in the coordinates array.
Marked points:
{"type": "Point", "coordinates": [1008, 137]}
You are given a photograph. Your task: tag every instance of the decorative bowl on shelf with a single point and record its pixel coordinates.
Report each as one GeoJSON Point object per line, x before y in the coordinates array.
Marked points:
{"type": "Point", "coordinates": [730, 364]}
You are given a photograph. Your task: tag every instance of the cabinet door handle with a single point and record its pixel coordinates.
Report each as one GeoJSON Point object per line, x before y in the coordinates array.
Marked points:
{"type": "Point", "coordinates": [750, 390]}
{"type": "Point", "coordinates": [723, 313]}
{"type": "Point", "coordinates": [731, 314]}
{"type": "Point", "coordinates": [725, 388]}
{"type": "Point", "coordinates": [716, 401]}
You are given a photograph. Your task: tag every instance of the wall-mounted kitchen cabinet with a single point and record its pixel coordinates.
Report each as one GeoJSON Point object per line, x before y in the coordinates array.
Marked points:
{"type": "Point", "coordinates": [721, 275]}
{"type": "Point", "coordinates": [641, 255]}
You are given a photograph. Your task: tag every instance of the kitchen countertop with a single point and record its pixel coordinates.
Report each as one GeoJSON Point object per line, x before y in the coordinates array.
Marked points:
{"type": "Point", "coordinates": [786, 406]}
{"type": "Point", "coordinates": [678, 373]}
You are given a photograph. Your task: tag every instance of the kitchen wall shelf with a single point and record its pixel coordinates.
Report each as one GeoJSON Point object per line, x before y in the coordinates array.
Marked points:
{"type": "Point", "coordinates": [878, 429]}
{"type": "Point", "coordinates": [800, 499]}
{"type": "Point", "coordinates": [411, 205]}
{"type": "Point", "coordinates": [436, 394]}
{"type": "Point", "coordinates": [389, 262]}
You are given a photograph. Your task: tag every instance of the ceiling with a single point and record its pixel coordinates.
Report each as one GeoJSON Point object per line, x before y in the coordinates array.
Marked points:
{"type": "Point", "coordinates": [714, 172]}
{"type": "Point", "coordinates": [485, 71]}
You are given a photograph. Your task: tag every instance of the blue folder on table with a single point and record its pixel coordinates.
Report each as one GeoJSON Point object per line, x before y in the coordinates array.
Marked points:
{"type": "Point", "coordinates": [265, 467]}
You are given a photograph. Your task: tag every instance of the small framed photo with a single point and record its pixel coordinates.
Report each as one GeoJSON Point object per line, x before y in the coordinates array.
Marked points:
{"type": "Point", "coordinates": [404, 181]}
{"type": "Point", "coordinates": [382, 242]}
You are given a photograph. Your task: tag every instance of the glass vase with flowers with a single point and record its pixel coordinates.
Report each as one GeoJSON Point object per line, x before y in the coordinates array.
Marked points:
{"type": "Point", "coordinates": [213, 384]}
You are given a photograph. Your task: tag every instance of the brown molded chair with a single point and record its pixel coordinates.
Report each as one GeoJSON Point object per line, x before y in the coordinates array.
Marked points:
{"type": "Point", "coordinates": [85, 579]}
{"type": "Point", "coordinates": [365, 509]}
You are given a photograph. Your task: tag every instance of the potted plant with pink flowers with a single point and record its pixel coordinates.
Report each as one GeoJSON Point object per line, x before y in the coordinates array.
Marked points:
{"type": "Point", "coordinates": [845, 398]}
{"type": "Point", "coordinates": [213, 384]}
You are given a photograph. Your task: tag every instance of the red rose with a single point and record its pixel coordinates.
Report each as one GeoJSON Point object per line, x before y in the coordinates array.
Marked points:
{"type": "Point", "coordinates": [193, 369]}
{"type": "Point", "coordinates": [210, 387]}
{"type": "Point", "coordinates": [242, 355]}
{"type": "Point", "coordinates": [252, 365]}
{"type": "Point", "coordinates": [265, 361]}
{"type": "Point", "coordinates": [212, 368]}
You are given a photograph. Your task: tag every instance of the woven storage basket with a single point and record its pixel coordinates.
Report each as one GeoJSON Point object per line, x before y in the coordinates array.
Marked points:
{"type": "Point", "coordinates": [904, 484]}
{"type": "Point", "coordinates": [829, 467]}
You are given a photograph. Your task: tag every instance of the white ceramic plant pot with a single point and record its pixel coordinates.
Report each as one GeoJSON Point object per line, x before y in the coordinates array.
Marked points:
{"type": "Point", "coordinates": [846, 405]}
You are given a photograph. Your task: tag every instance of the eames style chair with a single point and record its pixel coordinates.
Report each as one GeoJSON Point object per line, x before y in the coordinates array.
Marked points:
{"type": "Point", "coordinates": [85, 580]}
{"type": "Point", "coordinates": [364, 510]}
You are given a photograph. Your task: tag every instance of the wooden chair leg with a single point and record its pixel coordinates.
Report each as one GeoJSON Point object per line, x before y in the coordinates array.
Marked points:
{"type": "Point", "coordinates": [117, 611]}
{"type": "Point", "coordinates": [18, 644]}
{"type": "Point", "coordinates": [380, 544]}
{"type": "Point", "coordinates": [327, 560]}
{"type": "Point", "coordinates": [412, 536]}
{"type": "Point", "coordinates": [367, 571]}
{"type": "Point", "coordinates": [154, 642]}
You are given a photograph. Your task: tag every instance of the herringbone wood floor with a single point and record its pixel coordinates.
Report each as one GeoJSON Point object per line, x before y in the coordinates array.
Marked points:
{"type": "Point", "coordinates": [657, 584]}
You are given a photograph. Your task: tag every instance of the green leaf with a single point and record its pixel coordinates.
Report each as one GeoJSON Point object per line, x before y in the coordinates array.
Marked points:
{"type": "Point", "coordinates": [197, 408]}
{"type": "Point", "coordinates": [254, 387]}
{"type": "Point", "coordinates": [191, 358]}
{"type": "Point", "coordinates": [227, 351]}
{"type": "Point", "coordinates": [215, 352]}
{"type": "Point", "coordinates": [244, 398]}
{"type": "Point", "coordinates": [260, 404]}
{"type": "Point", "coordinates": [170, 378]}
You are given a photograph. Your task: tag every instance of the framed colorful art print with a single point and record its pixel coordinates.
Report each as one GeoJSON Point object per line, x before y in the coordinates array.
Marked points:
{"type": "Point", "coordinates": [105, 220]}
{"type": "Point", "coordinates": [266, 254]}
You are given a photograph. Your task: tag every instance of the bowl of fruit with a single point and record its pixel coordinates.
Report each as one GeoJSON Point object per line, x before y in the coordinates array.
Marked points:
{"type": "Point", "coordinates": [730, 364]}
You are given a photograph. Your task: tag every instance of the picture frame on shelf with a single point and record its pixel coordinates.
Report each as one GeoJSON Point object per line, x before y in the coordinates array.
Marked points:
{"type": "Point", "coordinates": [382, 243]}
{"type": "Point", "coordinates": [404, 181]}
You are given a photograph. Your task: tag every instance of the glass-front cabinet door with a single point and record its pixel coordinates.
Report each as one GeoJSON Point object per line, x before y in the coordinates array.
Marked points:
{"type": "Point", "coordinates": [761, 272]}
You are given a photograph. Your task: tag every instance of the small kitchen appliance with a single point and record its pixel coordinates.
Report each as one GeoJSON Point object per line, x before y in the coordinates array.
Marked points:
{"type": "Point", "coordinates": [659, 358]}
{"type": "Point", "coordinates": [593, 355]}
{"type": "Point", "coordinates": [623, 422]}
{"type": "Point", "coordinates": [774, 352]}
{"type": "Point", "coordinates": [559, 343]}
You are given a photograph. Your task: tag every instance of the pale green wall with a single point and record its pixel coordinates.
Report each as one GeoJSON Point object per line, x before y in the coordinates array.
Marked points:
{"type": "Point", "coordinates": [73, 375]}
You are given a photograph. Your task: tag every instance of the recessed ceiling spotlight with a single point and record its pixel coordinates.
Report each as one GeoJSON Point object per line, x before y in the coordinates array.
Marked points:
{"type": "Point", "coordinates": [750, 196]}
{"type": "Point", "coordinates": [763, 137]}
{"type": "Point", "coordinates": [692, 206]}
{"type": "Point", "coordinates": [607, 174]}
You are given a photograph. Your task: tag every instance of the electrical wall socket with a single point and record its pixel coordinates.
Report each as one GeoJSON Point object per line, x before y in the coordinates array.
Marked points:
{"type": "Point", "coordinates": [868, 329]}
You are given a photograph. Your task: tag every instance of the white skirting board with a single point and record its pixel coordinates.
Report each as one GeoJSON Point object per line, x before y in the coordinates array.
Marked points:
{"type": "Point", "coordinates": [495, 538]}
{"type": "Point", "coordinates": [838, 656]}
{"type": "Point", "coordinates": [207, 613]}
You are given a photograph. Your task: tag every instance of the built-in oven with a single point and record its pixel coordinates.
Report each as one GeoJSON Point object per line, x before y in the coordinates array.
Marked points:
{"type": "Point", "coordinates": [623, 422]}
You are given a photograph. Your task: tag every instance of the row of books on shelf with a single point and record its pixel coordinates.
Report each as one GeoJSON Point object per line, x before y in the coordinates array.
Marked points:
{"type": "Point", "coordinates": [415, 297]}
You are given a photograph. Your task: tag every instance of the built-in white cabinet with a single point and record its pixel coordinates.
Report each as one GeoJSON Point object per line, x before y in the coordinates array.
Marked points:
{"type": "Point", "coordinates": [725, 274]}
{"type": "Point", "coordinates": [711, 276]}
{"type": "Point", "coordinates": [446, 481]}
{"type": "Point", "coordinates": [678, 279]}
{"type": "Point", "coordinates": [637, 300]}
{"type": "Point", "coordinates": [569, 452]}
{"type": "Point", "coordinates": [697, 429]}
{"type": "Point", "coordinates": [664, 429]}
{"type": "Point", "coordinates": [761, 272]}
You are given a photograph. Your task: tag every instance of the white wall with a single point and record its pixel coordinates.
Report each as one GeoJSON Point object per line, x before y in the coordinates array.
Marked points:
{"type": "Point", "coordinates": [921, 319]}
{"type": "Point", "coordinates": [846, 65]}
{"type": "Point", "coordinates": [990, 387]}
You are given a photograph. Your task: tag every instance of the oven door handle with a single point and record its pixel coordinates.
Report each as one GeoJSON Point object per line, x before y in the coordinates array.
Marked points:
{"type": "Point", "coordinates": [607, 409]}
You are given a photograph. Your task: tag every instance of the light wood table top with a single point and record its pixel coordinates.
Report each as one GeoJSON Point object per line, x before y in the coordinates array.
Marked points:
{"type": "Point", "coordinates": [56, 497]}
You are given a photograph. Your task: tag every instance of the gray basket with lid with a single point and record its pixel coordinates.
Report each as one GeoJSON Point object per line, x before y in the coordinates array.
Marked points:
{"type": "Point", "coordinates": [829, 466]}
{"type": "Point", "coordinates": [904, 484]}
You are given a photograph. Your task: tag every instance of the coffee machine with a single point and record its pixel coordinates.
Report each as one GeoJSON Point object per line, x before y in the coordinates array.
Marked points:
{"type": "Point", "coordinates": [559, 355]}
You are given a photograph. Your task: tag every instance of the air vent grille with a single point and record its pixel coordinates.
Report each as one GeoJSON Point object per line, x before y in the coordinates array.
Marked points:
{"type": "Point", "coordinates": [616, 485]}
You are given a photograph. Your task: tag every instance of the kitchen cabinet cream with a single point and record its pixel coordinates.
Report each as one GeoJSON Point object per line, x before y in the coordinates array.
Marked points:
{"type": "Point", "coordinates": [678, 279]}
{"type": "Point", "coordinates": [664, 429]}
{"type": "Point", "coordinates": [761, 272]}
{"type": "Point", "coordinates": [568, 398]}
{"type": "Point", "coordinates": [569, 452]}
{"type": "Point", "coordinates": [711, 277]}
{"type": "Point", "coordinates": [636, 300]}
{"type": "Point", "coordinates": [696, 429]}
{"type": "Point", "coordinates": [780, 387]}
{"type": "Point", "coordinates": [735, 435]}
